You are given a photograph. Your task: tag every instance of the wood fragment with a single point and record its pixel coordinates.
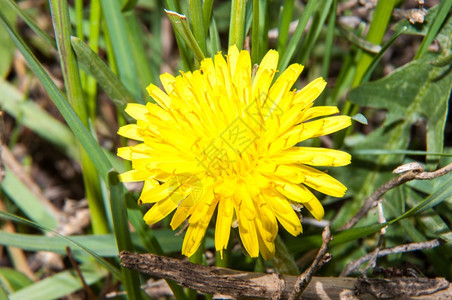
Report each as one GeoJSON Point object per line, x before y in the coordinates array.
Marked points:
{"type": "Point", "coordinates": [387, 288]}
{"type": "Point", "coordinates": [241, 285]}
{"type": "Point", "coordinates": [209, 280]}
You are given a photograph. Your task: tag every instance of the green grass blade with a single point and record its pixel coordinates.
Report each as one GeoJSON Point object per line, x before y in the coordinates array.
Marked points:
{"type": "Point", "coordinates": [264, 27]}
{"type": "Point", "coordinates": [237, 23]}
{"type": "Point", "coordinates": [96, 67]}
{"type": "Point", "coordinates": [306, 243]}
{"type": "Point", "coordinates": [113, 270]}
{"type": "Point", "coordinates": [283, 31]}
{"type": "Point", "coordinates": [440, 17]}
{"type": "Point", "coordinates": [72, 83]}
{"type": "Point", "coordinates": [392, 152]}
{"type": "Point", "coordinates": [255, 36]}
{"type": "Point", "coordinates": [138, 53]}
{"type": "Point", "coordinates": [102, 244]}
{"type": "Point", "coordinates": [116, 26]}
{"type": "Point", "coordinates": [329, 40]}
{"type": "Point", "coordinates": [95, 14]}
{"type": "Point", "coordinates": [75, 94]}
{"type": "Point", "coordinates": [59, 285]}
{"type": "Point", "coordinates": [248, 18]}
{"type": "Point", "coordinates": [207, 14]}
{"type": "Point", "coordinates": [377, 58]}
{"type": "Point", "coordinates": [197, 18]}
{"type": "Point", "coordinates": [131, 280]}
{"type": "Point", "coordinates": [32, 24]}
{"type": "Point", "coordinates": [93, 149]}
{"type": "Point", "coordinates": [296, 37]}
{"type": "Point", "coordinates": [31, 115]}
{"type": "Point", "coordinates": [441, 194]}
{"type": "Point", "coordinates": [26, 201]}
{"type": "Point", "coordinates": [215, 44]}
{"type": "Point", "coordinates": [129, 5]}
{"type": "Point", "coordinates": [377, 29]}
{"type": "Point", "coordinates": [181, 27]}
{"type": "Point", "coordinates": [317, 25]}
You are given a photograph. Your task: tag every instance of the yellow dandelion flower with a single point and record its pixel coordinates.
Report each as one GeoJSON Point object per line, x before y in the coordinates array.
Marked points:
{"type": "Point", "coordinates": [219, 139]}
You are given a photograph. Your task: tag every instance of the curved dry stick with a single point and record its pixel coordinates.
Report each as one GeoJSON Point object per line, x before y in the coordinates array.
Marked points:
{"type": "Point", "coordinates": [352, 266]}
{"type": "Point", "coordinates": [408, 176]}
{"type": "Point", "coordinates": [321, 259]}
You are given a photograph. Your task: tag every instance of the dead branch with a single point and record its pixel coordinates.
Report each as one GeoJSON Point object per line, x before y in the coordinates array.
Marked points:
{"type": "Point", "coordinates": [321, 259]}
{"type": "Point", "coordinates": [416, 173]}
{"type": "Point", "coordinates": [240, 285]}
{"type": "Point", "coordinates": [352, 266]}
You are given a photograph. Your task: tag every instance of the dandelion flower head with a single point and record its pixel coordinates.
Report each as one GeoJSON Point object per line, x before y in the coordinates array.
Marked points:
{"type": "Point", "coordinates": [224, 139]}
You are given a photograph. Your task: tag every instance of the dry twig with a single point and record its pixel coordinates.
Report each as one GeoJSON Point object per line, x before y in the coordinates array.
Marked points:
{"type": "Point", "coordinates": [417, 173]}
{"type": "Point", "coordinates": [352, 266]}
{"type": "Point", "coordinates": [321, 259]}
{"type": "Point", "coordinates": [86, 287]}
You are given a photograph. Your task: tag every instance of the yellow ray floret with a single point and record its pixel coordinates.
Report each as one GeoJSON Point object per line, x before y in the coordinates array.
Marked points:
{"type": "Point", "coordinates": [223, 140]}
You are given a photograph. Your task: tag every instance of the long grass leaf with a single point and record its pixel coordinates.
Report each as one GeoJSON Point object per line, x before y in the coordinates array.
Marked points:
{"type": "Point", "coordinates": [59, 285]}
{"type": "Point", "coordinates": [296, 37]}
{"type": "Point", "coordinates": [377, 58]}
{"type": "Point", "coordinates": [116, 26]}
{"type": "Point", "coordinates": [255, 36]}
{"type": "Point", "coordinates": [32, 24]}
{"type": "Point", "coordinates": [283, 30]}
{"type": "Point", "coordinates": [114, 271]}
{"type": "Point", "coordinates": [31, 115]}
{"type": "Point", "coordinates": [181, 27]}
{"type": "Point", "coordinates": [96, 67]}
{"type": "Point", "coordinates": [317, 25]}
{"type": "Point", "coordinates": [76, 96]}
{"type": "Point", "coordinates": [93, 149]}
{"type": "Point", "coordinates": [26, 201]}
{"type": "Point", "coordinates": [131, 280]}
{"type": "Point", "coordinates": [237, 23]}
{"type": "Point", "coordinates": [197, 18]}
{"type": "Point", "coordinates": [441, 15]}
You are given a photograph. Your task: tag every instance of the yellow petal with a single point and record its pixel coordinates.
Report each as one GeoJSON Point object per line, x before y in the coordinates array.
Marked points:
{"type": "Point", "coordinates": [284, 212]}
{"type": "Point", "coordinates": [295, 192]}
{"type": "Point", "coordinates": [160, 210]}
{"type": "Point", "coordinates": [310, 92]}
{"type": "Point", "coordinates": [266, 221]}
{"type": "Point", "coordinates": [319, 111]}
{"type": "Point", "coordinates": [322, 182]}
{"type": "Point", "coordinates": [315, 208]}
{"type": "Point", "coordinates": [267, 68]}
{"type": "Point", "coordinates": [184, 210]}
{"type": "Point", "coordinates": [224, 221]}
{"type": "Point", "coordinates": [282, 86]}
{"type": "Point", "coordinates": [313, 156]}
{"type": "Point", "coordinates": [233, 54]}
{"type": "Point", "coordinates": [168, 81]}
{"type": "Point", "coordinates": [159, 96]}
{"type": "Point", "coordinates": [151, 193]}
{"type": "Point", "coordinates": [248, 234]}
{"type": "Point", "coordinates": [266, 248]}
{"type": "Point", "coordinates": [134, 175]}
{"type": "Point", "coordinates": [199, 221]}
{"type": "Point", "coordinates": [136, 111]}
{"type": "Point", "coordinates": [131, 131]}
